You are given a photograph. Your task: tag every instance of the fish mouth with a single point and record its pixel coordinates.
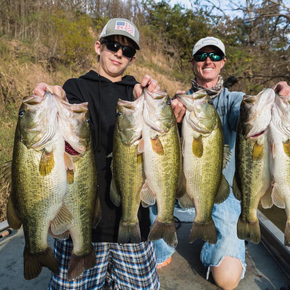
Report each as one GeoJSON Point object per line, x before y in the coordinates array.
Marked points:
{"type": "Point", "coordinates": [70, 150]}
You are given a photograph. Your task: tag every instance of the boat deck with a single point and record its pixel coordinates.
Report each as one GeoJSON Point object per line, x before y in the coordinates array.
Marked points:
{"type": "Point", "coordinates": [184, 272]}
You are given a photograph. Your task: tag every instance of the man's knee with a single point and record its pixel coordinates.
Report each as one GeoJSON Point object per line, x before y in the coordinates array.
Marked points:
{"type": "Point", "coordinates": [228, 274]}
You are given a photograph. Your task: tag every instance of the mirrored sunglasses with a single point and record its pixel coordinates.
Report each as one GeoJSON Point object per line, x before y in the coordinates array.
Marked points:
{"type": "Point", "coordinates": [212, 55]}
{"type": "Point", "coordinates": [115, 46]}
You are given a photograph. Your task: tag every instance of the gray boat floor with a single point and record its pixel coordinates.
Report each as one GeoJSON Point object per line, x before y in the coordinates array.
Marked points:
{"type": "Point", "coordinates": [184, 272]}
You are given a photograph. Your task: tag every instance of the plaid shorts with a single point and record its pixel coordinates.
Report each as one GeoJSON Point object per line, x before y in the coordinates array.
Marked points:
{"type": "Point", "coordinates": [118, 266]}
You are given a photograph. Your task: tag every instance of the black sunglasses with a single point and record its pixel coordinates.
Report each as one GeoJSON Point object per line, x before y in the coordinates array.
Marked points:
{"type": "Point", "coordinates": [212, 55]}
{"type": "Point", "coordinates": [115, 46]}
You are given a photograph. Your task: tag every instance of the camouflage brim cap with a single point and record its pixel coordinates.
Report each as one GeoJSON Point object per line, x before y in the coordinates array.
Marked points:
{"type": "Point", "coordinates": [121, 26]}
{"type": "Point", "coordinates": [209, 41]}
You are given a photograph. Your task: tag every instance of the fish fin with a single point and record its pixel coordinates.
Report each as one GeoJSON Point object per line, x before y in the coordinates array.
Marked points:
{"type": "Point", "coordinates": [236, 191]}
{"type": "Point", "coordinates": [197, 146]}
{"type": "Point", "coordinates": [46, 163]}
{"type": "Point", "coordinates": [70, 176]}
{"type": "Point", "coordinates": [68, 161]}
{"type": "Point", "coordinates": [139, 159]}
{"type": "Point", "coordinates": [78, 264]}
{"type": "Point", "coordinates": [165, 231]}
{"type": "Point", "coordinates": [62, 222]}
{"type": "Point", "coordinates": [63, 236]}
{"type": "Point", "coordinates": [257, 152]}
{"type": "Point", "coordinates": [227, 155]}
{"type": "Point", "coordinates": [247, 230]}
{"type": "Point", "coordinates": [277, 198]}
{"type": "Point", "coordinates": [12, 217]}
{"type": "Point", "coordinates": [181, 138]}
{"type": "Point", "coordinates": [97, 213]}
{"type": "Point", "coordinates": [69, 165]}
{"type": "Point", "coordinates": [273, 150]}
{"type": "Point", "coordinates": [147, 195]}
{"type": "Point", "coordinates": [129, 233]}
{"type": "Point", "coordinates": [185, 201]}
{"type": "Point", "coordinates": [6, 176]}
{"type": "Point", "coordinates": [223, 191]}
{"type": "Point", "coordinates": [266, 199]}
{"type": "Point", "coordinates": [286, 147]}
{"type": "Point", "coordinates": [182, 146]}
{"type": "Point", "coordinates": [157, 146]}
{"type": "Point", "coordinates": [140, 147]}
{"type": "Point", "coordinates": [114, 194]}
{"type": "Point", "coordinates": [33, 263]}
{"type": "Point", "coordinates": [206, 231]}
{"type": "Point", "coordinates": [287, 235]}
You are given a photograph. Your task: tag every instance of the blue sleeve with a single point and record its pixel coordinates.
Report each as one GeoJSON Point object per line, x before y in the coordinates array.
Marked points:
{"type": "Point", "coordinates": [234, 113]}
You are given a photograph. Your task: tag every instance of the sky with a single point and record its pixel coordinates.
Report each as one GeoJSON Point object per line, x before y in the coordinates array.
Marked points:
{"type": "Point", "coordinates": [189, 3]}
{"type": "Point", "coordinates": [225, 5]}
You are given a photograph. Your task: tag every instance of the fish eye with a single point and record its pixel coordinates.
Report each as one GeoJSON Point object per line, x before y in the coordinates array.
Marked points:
{"type": "Point", "coordinates": [21, 113]}
{"type": "Point", "coordinates": [118, 113]}
{"type": "Point", "coordinates": [89, 121]}
{"type": "Point", "coordinates": [168, 102]}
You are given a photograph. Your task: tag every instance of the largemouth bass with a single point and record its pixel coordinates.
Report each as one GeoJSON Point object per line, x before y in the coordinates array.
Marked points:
{"type": "Point", "coordinates": [39, 180]}
{"type": "Point", "coordinates": [127, 168]}
{"type": "Point", "coordinates": [203, 162]}
{"type": "Point", "coordinates": [162, 163]}
{"type": "Point", "coordinates": [81, 198]}
{"type": "Point", "coordinates": [252, 179]}
{"type": "Point", "coordinates": [280, 161]}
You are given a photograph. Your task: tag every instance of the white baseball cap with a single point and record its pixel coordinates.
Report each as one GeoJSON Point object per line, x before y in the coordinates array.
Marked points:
{"type": "Point", "coordinates": [121, 26]}
{"type": "Point", "coordinates": [209, 41]}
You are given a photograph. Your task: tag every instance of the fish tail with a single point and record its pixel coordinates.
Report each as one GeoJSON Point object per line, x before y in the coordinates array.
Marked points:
{"type": "Point", "coordinates": [287, 234]}
{"type": "Point", "coordinates": [33, 263]}
{"type": "Point", "coordinates": [165, 231]}
{"type": "Point", "coordinates": [129, 232]}
{"type": "Point", "coordinates": [206, 231]}
{"type": "Point", "coordinates": [250, 230]}
{"type": "Point", "coordinates": [78, 264]}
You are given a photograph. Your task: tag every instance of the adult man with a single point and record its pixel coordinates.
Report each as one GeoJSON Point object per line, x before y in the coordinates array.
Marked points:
{"type": "Point", "coordinates": [226, 258]}
{"type": "Point", "coordinates": [119, 266]}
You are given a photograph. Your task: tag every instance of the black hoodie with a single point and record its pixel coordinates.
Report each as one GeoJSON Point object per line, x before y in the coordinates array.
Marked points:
{"type": "Point", "coordinates": [102, 96]}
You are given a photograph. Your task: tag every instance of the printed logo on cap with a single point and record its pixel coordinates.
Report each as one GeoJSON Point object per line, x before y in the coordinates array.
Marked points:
{"type": "Point", "coordinates": [125, 26]}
